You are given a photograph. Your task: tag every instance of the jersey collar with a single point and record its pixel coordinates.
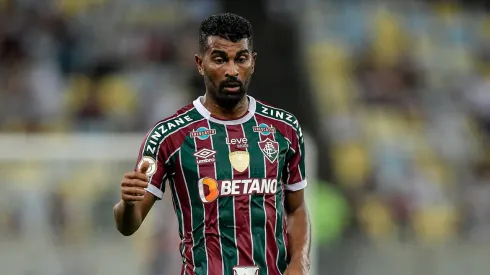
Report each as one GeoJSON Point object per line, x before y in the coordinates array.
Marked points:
{"type": "Point", "coordinates": [207, 115]}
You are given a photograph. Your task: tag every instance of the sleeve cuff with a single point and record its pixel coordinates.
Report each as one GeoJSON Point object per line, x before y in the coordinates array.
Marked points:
{"type": "Point", "coordinates": [155, 191]}
{"type": "Point", "coordinates": [295, 186]}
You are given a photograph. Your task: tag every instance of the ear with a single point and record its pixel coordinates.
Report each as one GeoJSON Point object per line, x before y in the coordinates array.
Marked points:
{"type": "Point", "coordinates": [198, 59]}
{"type": "Point", "coordinates": [254, 58]}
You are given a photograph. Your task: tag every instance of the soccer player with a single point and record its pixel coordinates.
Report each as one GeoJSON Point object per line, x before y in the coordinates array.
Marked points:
{"type": "Point", "coordinates": [235, 167]}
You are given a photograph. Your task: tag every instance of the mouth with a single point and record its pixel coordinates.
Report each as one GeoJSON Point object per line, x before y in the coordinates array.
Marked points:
{"type": "Point", "coordinates": [232, 87]}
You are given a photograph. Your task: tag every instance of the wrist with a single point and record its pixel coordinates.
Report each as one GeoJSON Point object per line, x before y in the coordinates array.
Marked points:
{"type": "Point", "coordinates": [124, 203]}
{"type": "Point", "coordinates": [128, 203]}
{"type": "Point", "coordinates": [124, 206]}
{"type": "Point", "coordinates": [300, 260]}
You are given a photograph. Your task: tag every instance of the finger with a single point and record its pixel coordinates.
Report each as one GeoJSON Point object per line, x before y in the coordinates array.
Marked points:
{"type": "Point", "coordinates": [126, 197]}
{"type": "Point", "coordinates": [137, 191]}
{"type": "Point", "coordinates": [136, 175]}
{"type": "Point", "coordinates": [134, 183]}
{"type": "Point", "coordinates": [144, 167]}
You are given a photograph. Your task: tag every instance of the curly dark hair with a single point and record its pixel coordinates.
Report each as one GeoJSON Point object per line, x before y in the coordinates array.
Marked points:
{"type": "Point", "coordinates": [226, 25]}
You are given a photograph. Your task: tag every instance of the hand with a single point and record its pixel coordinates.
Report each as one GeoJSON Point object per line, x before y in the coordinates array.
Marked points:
{"type": "Point", "coordinates": [134, 183]}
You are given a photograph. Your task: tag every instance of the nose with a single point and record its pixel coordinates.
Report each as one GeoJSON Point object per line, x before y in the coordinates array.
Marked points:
{"type": "Point", "coordinates": [231, 70]}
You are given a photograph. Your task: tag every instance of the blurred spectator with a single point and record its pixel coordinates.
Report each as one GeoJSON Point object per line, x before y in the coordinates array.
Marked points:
{"type": "Point", "coordinates": [477, 204]}
{"type": "Point", "coordinates": [57, 211]}
{"type": "Point", "coordinates": [478, 95]}
{"type": "Point", "coordinates": [164, 244]}
{"type": "Point", "coordinates": [391, 84]}
{"type": "Point", "coordinates": [128, 78]}
{"type": "Point", "coordinates": [20, 110]}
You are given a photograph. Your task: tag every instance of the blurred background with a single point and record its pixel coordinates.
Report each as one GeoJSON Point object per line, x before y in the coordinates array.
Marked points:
{"type": "Point", "coordinates": [394, 97]}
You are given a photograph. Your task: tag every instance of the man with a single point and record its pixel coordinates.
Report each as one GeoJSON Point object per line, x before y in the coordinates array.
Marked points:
{"type": "Point", "coordinates": [235, 167]}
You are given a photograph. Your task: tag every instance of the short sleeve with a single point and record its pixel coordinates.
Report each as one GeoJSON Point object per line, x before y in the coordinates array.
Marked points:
{"type": "Point", "coordinates": [294, 174]}
{"type": "Point", "coordinates": [152, 152]}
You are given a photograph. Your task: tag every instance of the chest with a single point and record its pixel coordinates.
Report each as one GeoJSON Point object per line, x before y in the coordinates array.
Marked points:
{"type": "Point", "coordinates": [233, 153]}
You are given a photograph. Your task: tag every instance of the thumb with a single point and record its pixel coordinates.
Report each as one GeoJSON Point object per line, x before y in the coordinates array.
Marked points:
{"type": "Point", "coordinates": [144, 167]}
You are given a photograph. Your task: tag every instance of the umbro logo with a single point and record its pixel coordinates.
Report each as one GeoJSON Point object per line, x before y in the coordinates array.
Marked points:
{"type": "Point", "coordinates": [204, 153]}
{"type": "Point", "coordinates": [205, 156]}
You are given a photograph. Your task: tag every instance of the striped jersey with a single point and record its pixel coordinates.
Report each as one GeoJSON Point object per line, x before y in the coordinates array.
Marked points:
{"type": "Point", "coordinates": [228, 180]}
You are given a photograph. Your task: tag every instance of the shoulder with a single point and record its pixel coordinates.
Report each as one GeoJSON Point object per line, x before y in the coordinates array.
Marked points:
{"type": "Point", "coordinates": [166, 128]}
{"type": "Point", "coordinates": [278, 117]}
{"type": "Point", "coordinates": [179, 120]}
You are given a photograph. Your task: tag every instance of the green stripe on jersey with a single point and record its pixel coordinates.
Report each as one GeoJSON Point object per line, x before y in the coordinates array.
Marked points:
{"type": "Point", "coordinates": [302, 168]}
{"type": "Point", "coordinates": [282, 256]}
{"type": "Point", "coordinates": [177, 205]}
{"type": "Point", "coordinates": [257, 209]}
{"type": "Point", "coordinates": [191, 178]}
{"type": "Point", "coordinates": [226, 205]}
{"type": "Point", "coordinates": [178, 213]}
{"type": "Point", "coordinates": [175, 199]}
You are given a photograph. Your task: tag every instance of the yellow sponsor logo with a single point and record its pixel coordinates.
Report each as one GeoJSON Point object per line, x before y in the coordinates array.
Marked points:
{"type": "Point", "coordinates": [239, 160]}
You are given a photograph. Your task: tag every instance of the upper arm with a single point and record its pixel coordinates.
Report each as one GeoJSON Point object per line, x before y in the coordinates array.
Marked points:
{"type": "Point", "coordinates": [294, 200]}
{"type": "Point", "coordinates": [294, 173]}
{"type": "Point", "coordinates": [154, 151]}
{"type": "Point", "coordinates": [146, 204]}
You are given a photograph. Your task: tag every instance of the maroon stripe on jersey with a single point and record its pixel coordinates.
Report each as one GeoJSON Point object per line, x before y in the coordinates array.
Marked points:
{"type": "Point", "coordinates": [284, 224]}
{"type": "Point", "coordinates": [185, 205]}
{"type": "Point", "coordinates": [235, 140]}
{"type": "Point", "coordinates": [283, 128]}
{"type": "Point", "coordinates": [183, 196]}
{"type": "Point", "coordinates": [272, 251]}
{"type": "Point", "coordinates": [211, 229]}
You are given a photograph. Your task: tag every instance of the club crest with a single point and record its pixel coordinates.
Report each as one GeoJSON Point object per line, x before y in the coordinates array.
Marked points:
{"type": "Point", "coordinates": [246, 270]}
{"type": "Point", "coordinates": [270, 149]}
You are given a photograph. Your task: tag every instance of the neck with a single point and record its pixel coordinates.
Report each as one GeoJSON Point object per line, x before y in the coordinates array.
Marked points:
{"type": "Point", "coordinates": [223, 113]}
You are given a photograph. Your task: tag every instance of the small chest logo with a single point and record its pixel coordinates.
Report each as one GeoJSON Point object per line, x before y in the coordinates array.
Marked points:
{"type": "Point", "coordinates": [202, 133]}
{"type": "Point", "coordinates": [205, 156]}
{"type": "Point", "coordinates": [238, 142]}
{"type": "Point", "coordinates": [239, 160]}
{"type": "Point", "coordinates": [270, 149]}
{"type": "Point", "coordinates": [264, 129]}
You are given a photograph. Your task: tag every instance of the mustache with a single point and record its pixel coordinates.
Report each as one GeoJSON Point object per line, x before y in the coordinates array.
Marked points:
{"type": "Point", "coordinates": [231, 82]}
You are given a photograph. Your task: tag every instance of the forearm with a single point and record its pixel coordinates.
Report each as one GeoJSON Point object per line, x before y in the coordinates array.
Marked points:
{"type": "Point", "coordinates": [299, 233]}
{"type": "Point", "coordinates": [128, 217]}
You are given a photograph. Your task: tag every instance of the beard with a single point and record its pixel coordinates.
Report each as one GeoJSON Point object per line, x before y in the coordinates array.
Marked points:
{"type": "Point", "coordinates": [226, 99]}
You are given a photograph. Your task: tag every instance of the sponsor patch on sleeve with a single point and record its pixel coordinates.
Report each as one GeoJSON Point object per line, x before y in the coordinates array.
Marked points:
{"type": "Point", "coordinates": [153, 165]}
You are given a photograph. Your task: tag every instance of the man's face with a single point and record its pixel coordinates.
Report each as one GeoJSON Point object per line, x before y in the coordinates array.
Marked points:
{"type": "Point", "coordinates": [227, 68]}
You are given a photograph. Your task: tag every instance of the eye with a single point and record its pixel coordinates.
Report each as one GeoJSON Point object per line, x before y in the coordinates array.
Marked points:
{"type": "Point", "coordinates": [242, 59]}
{"type": "Point", "coordinates": [218, 60]}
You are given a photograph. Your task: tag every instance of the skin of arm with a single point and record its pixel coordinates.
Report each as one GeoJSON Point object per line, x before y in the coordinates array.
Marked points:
{"type": "Point", "coordinates": [299, 232]}
{"type": "Point", "coordinates": [130, 215]}
{"type": "Point", "coordinates": [135, 203]}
